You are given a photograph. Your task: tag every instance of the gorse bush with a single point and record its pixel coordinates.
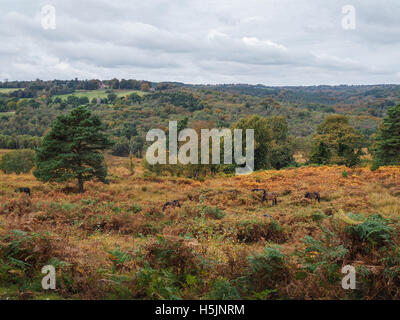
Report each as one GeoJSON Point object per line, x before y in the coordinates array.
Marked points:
{"type": "Point", "coordinates": [19, 161]}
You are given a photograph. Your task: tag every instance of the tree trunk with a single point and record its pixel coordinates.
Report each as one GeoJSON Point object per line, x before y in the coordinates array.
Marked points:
{"type": "Point", "coordinates": [131, 165]}
{"type": "Point", "coordinates": [80, 184]}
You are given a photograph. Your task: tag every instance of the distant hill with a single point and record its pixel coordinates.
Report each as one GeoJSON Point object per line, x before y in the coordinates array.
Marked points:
{"type": "Point", "coordinates": [28, 107]}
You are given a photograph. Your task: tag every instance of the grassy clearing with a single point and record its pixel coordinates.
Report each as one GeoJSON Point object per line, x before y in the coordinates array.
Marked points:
{"type": "Point", "coordinates": [7, 90]}
{"type": "Point", "coordinates": [101, 93]}
{"type": "Point", "coordinates": [114, 241]}
{"type": "Point", "coordinates": [7, 114]}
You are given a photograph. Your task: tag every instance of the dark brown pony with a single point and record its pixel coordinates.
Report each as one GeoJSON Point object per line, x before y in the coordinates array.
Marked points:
{"type": "Point", "coordinates": [273, 196]}
{"type": "Point", "coordinates": [174, 203]}
{"type": "Point", "coordinates": [313, 195]}
{"type": "Point", "coordinates": [26, 190]}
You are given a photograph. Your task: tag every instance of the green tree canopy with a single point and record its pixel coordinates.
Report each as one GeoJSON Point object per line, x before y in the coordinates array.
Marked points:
{"type": "Point", "coordinates": [72, 149]}
{"type": "Point", "coordinates": [387, 145]}
{"type": "Point", "coordinates": [272, 147]}
{"type": "Point", "coordinates": [18, 161]}
{"type": "Point", "coordinates": [336, 142]}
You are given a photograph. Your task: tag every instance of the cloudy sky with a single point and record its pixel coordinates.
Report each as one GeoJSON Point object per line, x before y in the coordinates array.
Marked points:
{"type": "Point", "coordinates": [272, 42]}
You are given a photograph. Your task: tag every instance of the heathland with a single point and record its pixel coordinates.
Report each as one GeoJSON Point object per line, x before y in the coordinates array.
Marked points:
{"type": "Point", "coordinates": [114, 241]}
{"type": "Point", "coordinates": [119, 241]}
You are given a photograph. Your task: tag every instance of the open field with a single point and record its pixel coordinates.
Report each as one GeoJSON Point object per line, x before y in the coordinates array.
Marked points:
{"type": "Point", "coordinates": [101, 93]}
{"type": "Point", "coordinates": [115, 241]}
{"type": "Point", "coordinates": [8, 114]}
{"type": "Point", "coordinates": [3, 152]}
{"type": "Point", "coordinates": [8, 90]}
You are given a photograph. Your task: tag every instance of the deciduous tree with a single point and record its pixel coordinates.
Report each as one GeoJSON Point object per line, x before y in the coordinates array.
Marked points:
{"type": "Point", "coordinates": [336, 142]}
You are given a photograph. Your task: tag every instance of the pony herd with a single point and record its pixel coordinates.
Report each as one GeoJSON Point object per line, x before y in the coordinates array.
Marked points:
{"type": "Point", "coordinates": [273, 196]}
{"type": "Point", "coordinates": [266, 196]}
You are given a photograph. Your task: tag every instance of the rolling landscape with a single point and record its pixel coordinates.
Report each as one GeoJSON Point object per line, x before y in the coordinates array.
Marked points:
{"type": "Point", "coordinates": [199, 159]}
{"type": "Point", "coordinates": [118, 241]}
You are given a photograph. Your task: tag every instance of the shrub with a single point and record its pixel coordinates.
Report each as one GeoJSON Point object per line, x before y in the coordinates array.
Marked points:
{"type": "Point", "coordinates": [374, 231]}
{"type": "Point", "coordinates": [19, 161]}
{"type": "Point", "coordinates": [124, 223]}
{"type": "Point", "coordinates": [380, 283]}
{"type": "Point", "coordinates": [318, 216]}
{"type": "Point", "coordinates": [119, 258]}
{"type": "Point", "coordinates": [255, 230]}
{"type": "Point", "coordinates": [323, 257]}
{"type": "Point", "coordinates": [267, 269]}
{"type": "Point", "coordinates": [212, 212]}
{"type": "Point", "coordinates": [19, 206]}
{"type": "Point", "coordinates": [172, 252]}
{"type": "Point", "coordinates": [135, 208]}
{"type": "Point", "coordinates": [222, 289]}
{"type": "Point", "coordinates": [22, 253]}
{"type": "Point", "coordinates": [374, 166]}
{"type": "Point", "coordinates": [157, 284]}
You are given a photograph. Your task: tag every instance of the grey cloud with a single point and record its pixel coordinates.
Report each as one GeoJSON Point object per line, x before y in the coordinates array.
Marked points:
{"type": "Point", "coordinates": [273, 42]}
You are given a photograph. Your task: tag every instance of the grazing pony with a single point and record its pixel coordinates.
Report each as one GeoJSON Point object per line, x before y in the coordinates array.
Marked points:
{"type": "Point", "coordinates": [26, 190]}
{"type": "Point", "coordinates": [313, 195]}
{"type": "Point", "coordinates": [268, 196]}
{"type": "Point", "coordinates": [174, 203]}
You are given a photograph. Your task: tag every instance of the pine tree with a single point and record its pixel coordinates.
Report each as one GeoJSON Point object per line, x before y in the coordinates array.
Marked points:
{"type": "Point", "coordinates": [387, 144]}
{"type": "Point", "coordinates": [73, 149]}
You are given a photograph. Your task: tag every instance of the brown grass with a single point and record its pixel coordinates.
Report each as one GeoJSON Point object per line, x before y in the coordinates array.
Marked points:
{"type": "Point", "coordinates": [126, 215]}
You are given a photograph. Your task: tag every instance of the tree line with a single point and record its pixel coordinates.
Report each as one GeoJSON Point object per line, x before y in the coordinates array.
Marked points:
{"type": "Point", "coordinates": [75, 145]}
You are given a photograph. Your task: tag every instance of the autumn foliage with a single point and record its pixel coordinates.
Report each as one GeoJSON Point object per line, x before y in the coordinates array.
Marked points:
{"type": "Point", "coordinates": [115, 241]}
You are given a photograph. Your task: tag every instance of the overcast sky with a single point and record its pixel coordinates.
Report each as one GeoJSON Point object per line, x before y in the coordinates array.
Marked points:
{"type": "Point", "coordinates": [272, 42]}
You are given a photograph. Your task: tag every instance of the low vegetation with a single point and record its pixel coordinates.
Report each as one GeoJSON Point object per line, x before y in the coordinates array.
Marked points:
{"type": "Point", "coordinates": [18, 161]}
{"type": "Point", "coordinates": [132, 230]}
{"type": "Point", "coordinates": [115, 241]}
